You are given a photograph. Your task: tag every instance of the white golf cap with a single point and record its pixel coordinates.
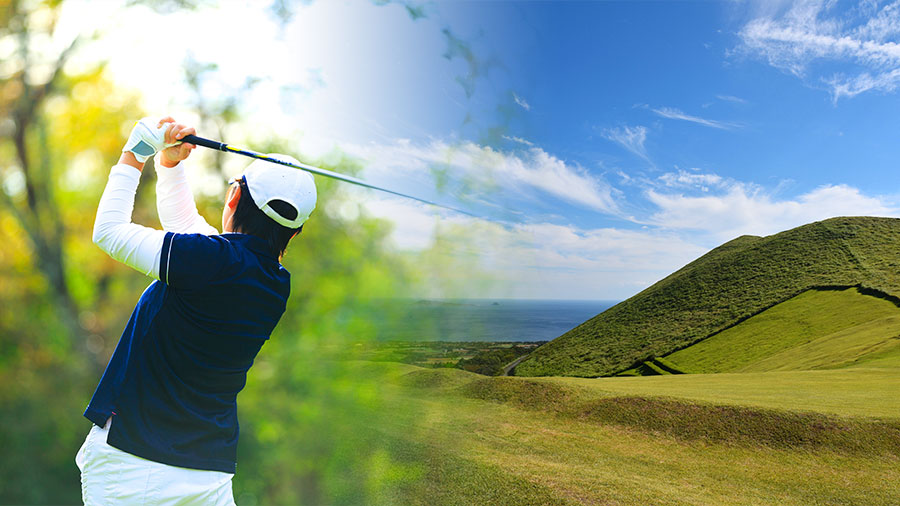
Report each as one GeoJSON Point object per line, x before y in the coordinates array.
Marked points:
{"type": "Point", "coordinates": [269, 181]}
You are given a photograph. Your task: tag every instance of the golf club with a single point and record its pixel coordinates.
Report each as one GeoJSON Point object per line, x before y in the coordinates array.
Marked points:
{"type": "Point", "coordinates": [221, 146]}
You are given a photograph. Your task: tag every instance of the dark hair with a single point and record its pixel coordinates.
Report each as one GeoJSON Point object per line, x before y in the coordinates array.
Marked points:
{"type": "Point", "coordinates": [249, 219]}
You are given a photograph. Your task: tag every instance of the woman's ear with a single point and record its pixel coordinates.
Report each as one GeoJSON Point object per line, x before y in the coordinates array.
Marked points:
{"type": "Point", "coordinates": [234, 197]}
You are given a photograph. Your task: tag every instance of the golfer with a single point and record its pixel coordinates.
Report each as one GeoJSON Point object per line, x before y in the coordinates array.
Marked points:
{"type": "Point", "coordinates": [165, 414]}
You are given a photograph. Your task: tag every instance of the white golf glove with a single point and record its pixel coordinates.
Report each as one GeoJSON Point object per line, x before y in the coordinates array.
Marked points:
{"type": "Point", "coordinates": [147, 139]}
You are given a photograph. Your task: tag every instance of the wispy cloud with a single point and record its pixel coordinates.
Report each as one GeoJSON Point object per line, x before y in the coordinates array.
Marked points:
{"type": "Point", "coordinates": [672, 113]}
{"type": "Point", "coordinates": [816, 31]}
{"type": "Point", "coordinates": [731, 98]}
{"type": "Point", "coordinates": [498, 174]}
{"type": "Point", "coordinates": [518, 139]}
{"type": "Point", "coordinates": [630, 138]}
{"type": "Point", "coordinates": [521, 101]}
{"type": "Point", "coordinates": [684, 179]}
{"type": "Point", "coordinates": [850, 86]}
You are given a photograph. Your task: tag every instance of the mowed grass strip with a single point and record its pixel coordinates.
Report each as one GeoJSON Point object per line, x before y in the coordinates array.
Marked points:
{"type": "Point", "coordinates": [807, 317]}
{"type": "Point", "coordinates": [888, 359]}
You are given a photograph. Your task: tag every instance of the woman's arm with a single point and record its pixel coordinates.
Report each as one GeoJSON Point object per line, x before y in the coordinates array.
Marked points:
{"type": "Point", "coordinates": [175, 202]}
{"type": "Point", "coordinates": [137, 246]}
{"type": "Point", "coordinates": [134, 245]}
{"type": "Point", "coordinates": [174, 199]}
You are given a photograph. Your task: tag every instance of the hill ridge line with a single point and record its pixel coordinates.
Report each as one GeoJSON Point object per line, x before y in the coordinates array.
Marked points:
{"type": "Point", "coordinates": [723, 288]}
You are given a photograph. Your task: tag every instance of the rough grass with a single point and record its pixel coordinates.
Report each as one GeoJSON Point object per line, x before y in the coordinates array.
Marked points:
{"type": "Point", "coordinates": [520, 393]}
{"type": "Point", "coordinates": [443, 478]}
{"type": "Point", "coordinates": [726, 286]}
{"type": "Point", "coordinates": [434, 378]}
{"type": "Point", "coordinates": [816, 329]}
{"type": "Point", "coordinates": [398, 464]}
{"type": "Point", "coordinates": [570, 441]}
{"type": "Point", "coordinates": [747, 426]}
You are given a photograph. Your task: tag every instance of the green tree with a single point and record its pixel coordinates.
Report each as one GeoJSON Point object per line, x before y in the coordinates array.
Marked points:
{"type": "Point", "coordinates": [31, 78]}
{"type": "Point", "coordinates": [309, 416]}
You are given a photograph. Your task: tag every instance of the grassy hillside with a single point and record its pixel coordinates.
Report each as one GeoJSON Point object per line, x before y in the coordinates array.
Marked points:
{"type": "Point", "coordinates": [814, 330]}
{"type": "Point", "coordinates": [723, 288]}
{"type": "Point", "coordinates": [875, 343]}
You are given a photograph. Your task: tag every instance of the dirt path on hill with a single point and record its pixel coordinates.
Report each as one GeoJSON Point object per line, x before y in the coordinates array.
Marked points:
{"type": "Point", "coordinates": [510, 366]}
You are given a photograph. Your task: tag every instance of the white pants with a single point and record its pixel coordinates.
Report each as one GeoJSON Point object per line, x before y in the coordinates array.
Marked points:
{"type": "Point", "coordinates": [111, 476]}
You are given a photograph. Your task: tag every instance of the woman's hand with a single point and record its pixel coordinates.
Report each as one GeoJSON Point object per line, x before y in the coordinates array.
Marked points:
{"type": "Point", "coordinates": [171, 156]}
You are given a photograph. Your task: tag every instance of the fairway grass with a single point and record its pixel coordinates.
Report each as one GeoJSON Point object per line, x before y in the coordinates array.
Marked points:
{"type": "Point", "coordinates": [815, 330]}
{"type": "Point", "coordinates": [861, 392]}
{"type": "Point", "coordinates": [858, 345]}
{"type": "Point", "coordinates": [532, 442]}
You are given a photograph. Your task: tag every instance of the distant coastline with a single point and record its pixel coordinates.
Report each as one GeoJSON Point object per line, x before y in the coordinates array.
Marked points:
{"type": "Point", "coordinates": [486, 320]}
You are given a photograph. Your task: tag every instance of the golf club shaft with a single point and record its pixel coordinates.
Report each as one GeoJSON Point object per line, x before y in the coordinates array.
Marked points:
{"type": "Point", "coordinates": [221, 146]}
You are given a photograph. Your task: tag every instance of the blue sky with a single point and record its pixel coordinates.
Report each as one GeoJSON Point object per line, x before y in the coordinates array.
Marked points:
{"type": "Point", "coordinates": [613, 141]}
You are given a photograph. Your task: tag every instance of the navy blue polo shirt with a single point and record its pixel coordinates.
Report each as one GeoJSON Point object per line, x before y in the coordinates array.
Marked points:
{"type": "Point", "coordinates": [172, 382]}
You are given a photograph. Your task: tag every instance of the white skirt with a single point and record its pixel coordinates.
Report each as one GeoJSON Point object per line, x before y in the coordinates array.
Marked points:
{"type": "Point", "coordinates": [111, 476]}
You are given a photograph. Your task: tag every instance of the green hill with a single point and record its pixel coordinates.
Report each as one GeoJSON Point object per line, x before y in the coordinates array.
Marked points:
{"type": "Point", "coordinates": [724, 288]}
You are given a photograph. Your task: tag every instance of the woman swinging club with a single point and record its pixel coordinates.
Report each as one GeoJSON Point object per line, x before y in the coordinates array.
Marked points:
{"type": "Point", "coordinates": [164, 413]}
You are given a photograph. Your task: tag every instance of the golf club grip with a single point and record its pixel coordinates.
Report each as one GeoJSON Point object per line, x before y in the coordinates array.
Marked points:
{"type": "Point", "coordinates": [206, 143]}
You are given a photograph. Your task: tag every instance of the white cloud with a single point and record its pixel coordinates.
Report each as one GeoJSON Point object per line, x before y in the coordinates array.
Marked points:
{"type": "Point", "coordinates": [414, 223]}
{"type": "Point", "coordinates": [692, 211]}
{"type": "Point", "coordinates": [882, 23]}
{"type": "Point", "coordinates": [482, 170]}
{"type": "Point", "coordinates": [608, 249]}
{"type": "Point", "coordinates": [816, 31]}
{"type": "Point", "coordinates": [845, 86]}
{"type": "Point", "coordinates": [521, 101]}
{"type": "Point", "coordinates": [686, 179]}
{"type": "Point", "coordinates": [672, 113]}
{"type": "Point", "coordinates": [731, 98]}
{"type": "Point", "coordinates": [747, 209]}
{"type": "Point", "coordinates": [542, 260]}
{"type": "Point", "coordinates": [519, 140]}
{"type": "Point", "coordinates": [630, 138]}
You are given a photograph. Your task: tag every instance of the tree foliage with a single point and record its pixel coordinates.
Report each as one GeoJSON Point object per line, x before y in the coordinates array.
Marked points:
{"type": "Point", "coordinates": [60, 302]}
{"type": "Point", "coordinates": [63, 302]}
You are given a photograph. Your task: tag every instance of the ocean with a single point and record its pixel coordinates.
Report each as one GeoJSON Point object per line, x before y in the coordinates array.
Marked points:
{"type": "Point", "coordinates": [486, 319]}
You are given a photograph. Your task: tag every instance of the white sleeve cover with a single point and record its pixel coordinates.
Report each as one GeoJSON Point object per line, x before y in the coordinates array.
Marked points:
{"type": "Point", "coordinates": [175, 203]}
{"type": "Point", "coordinates": [134, 245]}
